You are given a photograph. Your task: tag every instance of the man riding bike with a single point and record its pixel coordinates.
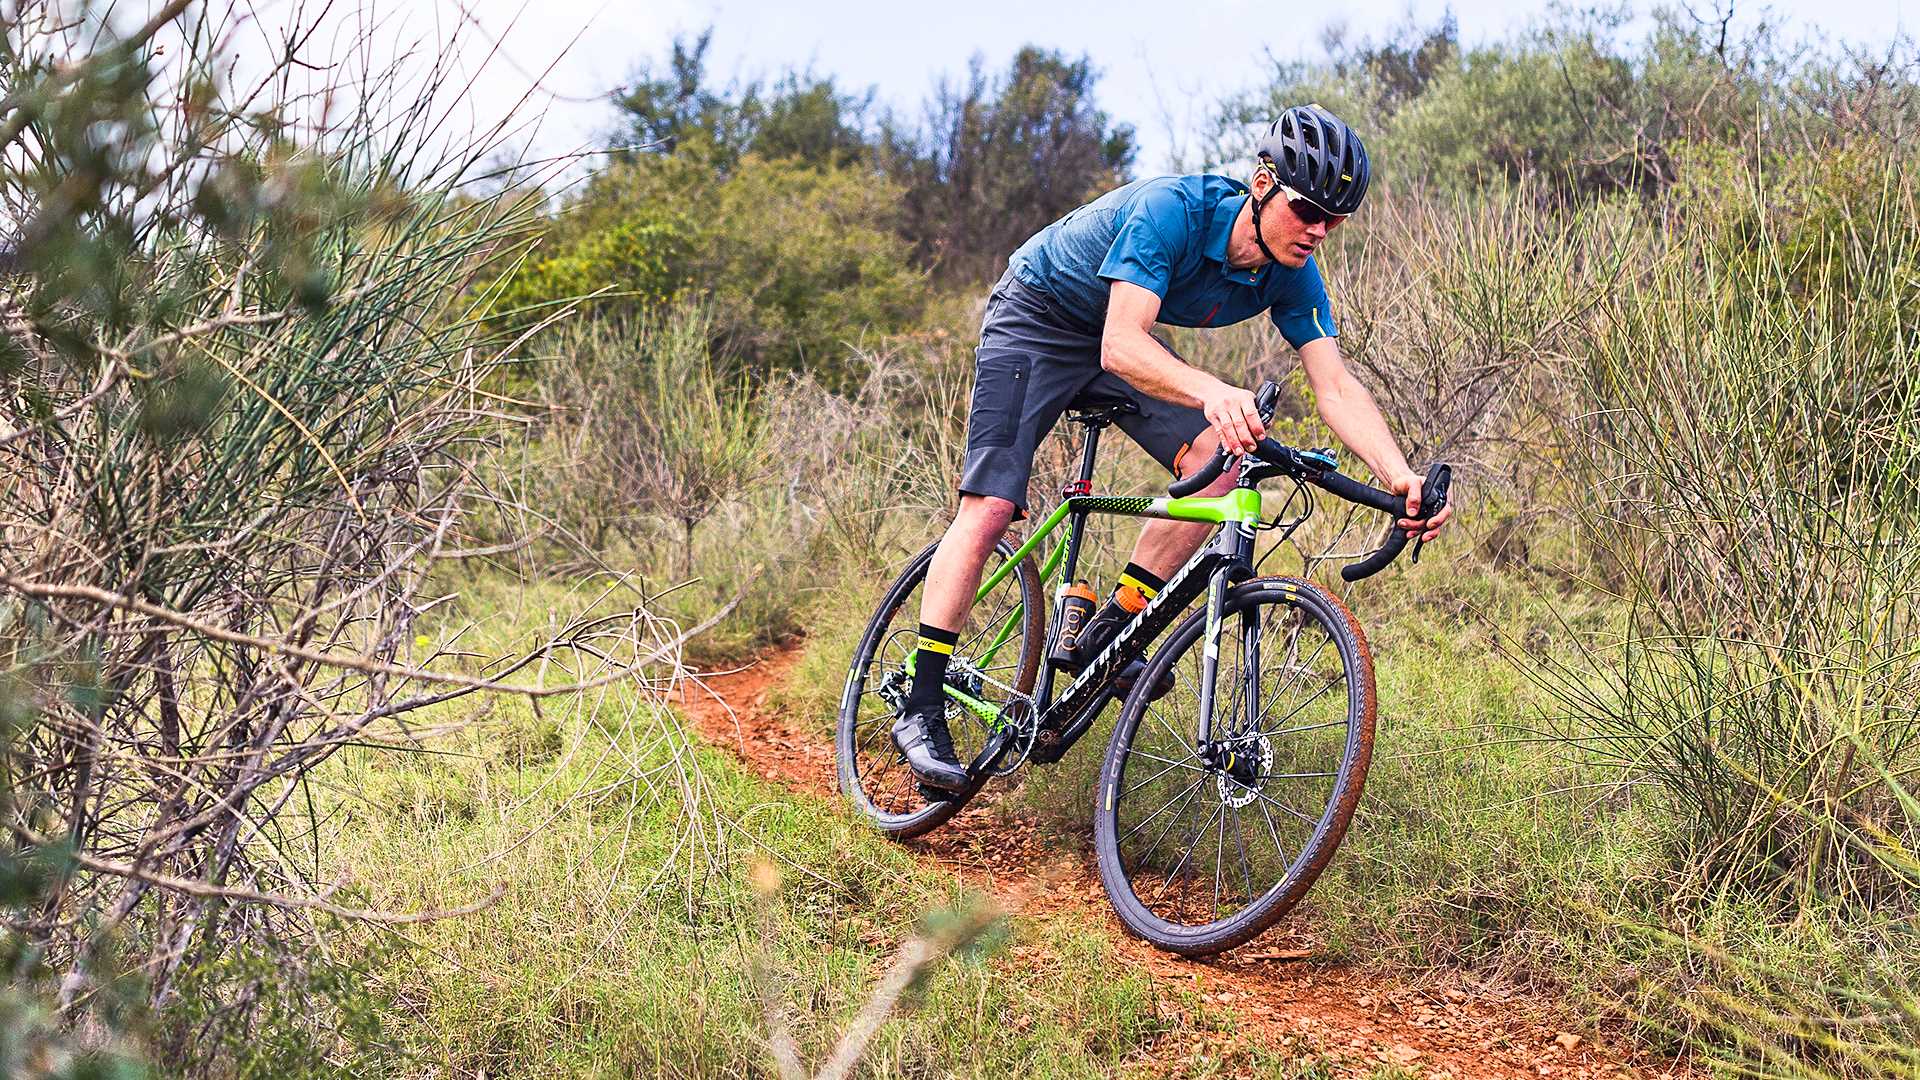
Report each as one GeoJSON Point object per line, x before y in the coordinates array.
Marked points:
{"type": "Point", "coordinates": [1074, 313]}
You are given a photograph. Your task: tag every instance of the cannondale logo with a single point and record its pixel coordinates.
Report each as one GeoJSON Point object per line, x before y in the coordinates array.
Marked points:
{"type": "Point", "coordinates": [1096, 672]}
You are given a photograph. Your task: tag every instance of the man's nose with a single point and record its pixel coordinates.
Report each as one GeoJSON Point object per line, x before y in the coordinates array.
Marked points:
{"type": "Point", "coordinates": [1317, 230]}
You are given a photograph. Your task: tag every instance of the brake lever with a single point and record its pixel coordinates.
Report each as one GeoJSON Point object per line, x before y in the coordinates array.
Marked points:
{"type": "Point", "coordinates": [1433, 499]}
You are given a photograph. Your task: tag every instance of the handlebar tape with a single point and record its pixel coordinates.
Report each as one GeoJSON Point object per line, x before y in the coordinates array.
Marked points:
{"type": "Point", "coordinates": [1433, 499]}
{"type": "Point", "coordinates": [1376, 562]}
{"type": "Point", "coordinates": [1365, 494]}
{"type": "Point", "coordinates": [1265, 400]}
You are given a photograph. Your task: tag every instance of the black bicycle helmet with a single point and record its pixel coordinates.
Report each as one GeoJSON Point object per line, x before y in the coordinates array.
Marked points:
{"type": "Point", "coordinates": [1320, 157]}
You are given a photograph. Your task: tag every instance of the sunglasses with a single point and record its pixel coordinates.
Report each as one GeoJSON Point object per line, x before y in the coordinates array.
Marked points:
{"type": "Point", "coordinates": [1308, 211]}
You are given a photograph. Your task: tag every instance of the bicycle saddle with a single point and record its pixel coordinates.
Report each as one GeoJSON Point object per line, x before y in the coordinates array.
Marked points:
{"type": "Point", "coordinates": [1099, 407]}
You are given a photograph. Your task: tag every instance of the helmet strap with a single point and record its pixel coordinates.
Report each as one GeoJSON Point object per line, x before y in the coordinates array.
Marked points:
{"type": "Point", "coordinates": [1258, 203]}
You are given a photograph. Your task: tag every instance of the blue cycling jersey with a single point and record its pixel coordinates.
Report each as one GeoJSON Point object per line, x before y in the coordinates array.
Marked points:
{"type": "Point", "coordinates": [1169, 235]}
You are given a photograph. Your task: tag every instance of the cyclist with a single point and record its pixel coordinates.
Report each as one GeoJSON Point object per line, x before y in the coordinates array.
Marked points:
{"type": "Point", "coordinates": [1074, 313]}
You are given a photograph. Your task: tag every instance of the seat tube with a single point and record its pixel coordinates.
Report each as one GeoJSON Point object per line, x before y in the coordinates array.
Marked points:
{"type": "Point", "coordinates": [1076, 522]}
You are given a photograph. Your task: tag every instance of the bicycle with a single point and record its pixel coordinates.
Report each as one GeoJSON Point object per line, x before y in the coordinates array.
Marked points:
{"type": "Point", "coordinates": [1218, 754]}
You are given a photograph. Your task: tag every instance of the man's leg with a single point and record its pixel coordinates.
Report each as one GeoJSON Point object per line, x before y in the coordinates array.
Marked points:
{"type": "Point", "coordinates": [954, 576]}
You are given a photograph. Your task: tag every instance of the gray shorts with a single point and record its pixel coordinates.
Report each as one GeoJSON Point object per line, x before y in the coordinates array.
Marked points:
{"type": "Point", "coordinates": [1032, 363]}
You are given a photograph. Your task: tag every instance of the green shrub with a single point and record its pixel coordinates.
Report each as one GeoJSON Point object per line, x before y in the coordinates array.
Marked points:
{"type": "Point", "coordinates": [1570, 103]}
{"type": "Point", "coordinates": [796, 262]}
{"type": "Point", "coordinates": [630, 265]}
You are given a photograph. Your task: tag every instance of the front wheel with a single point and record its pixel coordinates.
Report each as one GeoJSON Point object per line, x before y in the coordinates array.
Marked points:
{"type": "Point", "coordinates": [1201, 848]}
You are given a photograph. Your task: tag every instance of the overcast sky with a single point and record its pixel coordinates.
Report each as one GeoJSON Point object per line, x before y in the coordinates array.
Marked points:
{"type": "Point", "coordinates": [1164, 65]}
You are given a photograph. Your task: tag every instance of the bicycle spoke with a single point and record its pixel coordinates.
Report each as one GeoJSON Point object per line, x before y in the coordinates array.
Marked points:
{"type": "Point", "coordinates": [1183, 870]}
{"type": "Point", "coordinates": [1143, 822]}
{"type": "Point", "coordinates": [1293, 675]}
{"type": "Point", "coordinates": [1172, 765]}
{"type": "Point", "coordinates": [1311, 700]}
{"type": "Point", "coordinates": [1246, 865]}
{"type": "Point", "coordinates": [992, 625]}
{"type": "Point", "coordinates": [1177, 739]}
{"type": "Point", "coordinates": [1219, 857]}
{"type": "Point", "coordinates": [1342, 722]}
{"type": "Point", "coordinates": [1264, 797]}
{"type": "Point", "coordinates": [1273, 831]}
{"type": "Point", "coordinates": [1165, 831]}
{"type": "Point", "coordinates": [1168, 761]}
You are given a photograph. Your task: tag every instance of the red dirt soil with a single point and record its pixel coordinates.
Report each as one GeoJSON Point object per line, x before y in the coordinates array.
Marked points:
{"type": "Point", "coordinates": [1276, 988]}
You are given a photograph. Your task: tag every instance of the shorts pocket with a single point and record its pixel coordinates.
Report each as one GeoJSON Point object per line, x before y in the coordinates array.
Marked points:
{"type": "Point", "coordinates": [999, 398]}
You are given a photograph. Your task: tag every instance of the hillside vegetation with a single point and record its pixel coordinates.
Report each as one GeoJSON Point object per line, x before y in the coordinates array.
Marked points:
{"type": "Point", "coordinates": [358, 528]}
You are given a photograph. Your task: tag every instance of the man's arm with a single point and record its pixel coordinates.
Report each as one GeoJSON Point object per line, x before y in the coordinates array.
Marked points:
{"type": "Point", "coordinates": [1353, 415]}
{"type": "Point", "coordinates": [1127, 349]}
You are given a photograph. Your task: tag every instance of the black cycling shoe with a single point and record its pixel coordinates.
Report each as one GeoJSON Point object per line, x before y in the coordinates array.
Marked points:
{"type": "Point", "coordinates": [1130, 674]}
{"type": "Point", "coordinates": [922, 738]}
{"type": "Point", "coordinates": [1100, 631]}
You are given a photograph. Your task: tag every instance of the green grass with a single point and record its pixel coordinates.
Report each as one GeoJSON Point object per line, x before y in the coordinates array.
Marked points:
{"type": "Point", "coordinates": [625, 939]}
{"type": "Point", "coordinates": [1483, 841]}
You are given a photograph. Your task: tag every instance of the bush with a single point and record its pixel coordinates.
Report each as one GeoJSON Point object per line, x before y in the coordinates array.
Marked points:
{"type": "Point", "coordinates": [630, 265]}
{"type": "Point", "coordinates": [1567, 104]}
{"type": "Point", "coordinates": [796, 262]}
{"type": "Point", "coordinates": [656, 426]}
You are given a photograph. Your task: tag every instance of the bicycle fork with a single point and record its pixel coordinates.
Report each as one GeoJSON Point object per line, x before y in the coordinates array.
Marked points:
{"type": "Point", "coordinates": [1235, 568]}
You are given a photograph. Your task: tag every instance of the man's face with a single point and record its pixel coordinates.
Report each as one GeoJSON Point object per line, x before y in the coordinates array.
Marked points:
{"type": "Point", "coordinates": [1291, 239]}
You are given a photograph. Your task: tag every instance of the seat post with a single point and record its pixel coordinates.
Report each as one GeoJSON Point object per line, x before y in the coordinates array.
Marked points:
{"type": "Point", "coordinates": [1086, 455]}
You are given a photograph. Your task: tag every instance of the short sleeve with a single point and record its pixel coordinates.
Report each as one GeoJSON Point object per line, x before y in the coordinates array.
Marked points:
{"type": "Point", "coordinates": [1148, 242]}
{"type": "Point", "coordinates": [1303, 313]}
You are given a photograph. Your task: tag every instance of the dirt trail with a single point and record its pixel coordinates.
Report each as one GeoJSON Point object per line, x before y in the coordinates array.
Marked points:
{"type": "Point", "coordinates": [1282, 995]}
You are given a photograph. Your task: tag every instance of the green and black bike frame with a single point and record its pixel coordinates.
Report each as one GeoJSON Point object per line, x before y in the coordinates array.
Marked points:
{"type": "Point", "coordinates": [1227, 559]}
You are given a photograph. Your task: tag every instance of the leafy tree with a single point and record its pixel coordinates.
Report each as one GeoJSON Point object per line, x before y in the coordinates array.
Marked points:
{"type": "Point", "coordinates": [1403, 65]}
{"type": "Point", "coordinates": [997, 159]}
{"type": "Point", "coordinates": [809, 119]}
{"type": "Point", "coordinates": [676, 105]}
{"type": "Point", "coordinates": [800, 115]}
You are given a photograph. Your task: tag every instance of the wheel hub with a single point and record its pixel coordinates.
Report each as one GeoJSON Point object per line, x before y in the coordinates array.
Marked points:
{"type": "Point", "coordinates": [1238, 767]}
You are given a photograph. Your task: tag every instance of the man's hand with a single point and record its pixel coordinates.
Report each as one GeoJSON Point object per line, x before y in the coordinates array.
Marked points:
{"type": "Point", "coordinates": [1235, 418]}
{"type": "Point", "coordinates": [1410, 485]}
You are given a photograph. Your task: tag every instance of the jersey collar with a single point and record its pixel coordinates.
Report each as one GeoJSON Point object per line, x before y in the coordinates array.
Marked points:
{"type": "Point", "coordinates": [1220, 229]}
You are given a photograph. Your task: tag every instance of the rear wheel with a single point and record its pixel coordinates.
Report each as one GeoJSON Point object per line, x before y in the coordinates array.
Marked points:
{"type": "Point", "coordinates": [995, 661]}
{"type": "Point", "coordinates": [1203, 848]}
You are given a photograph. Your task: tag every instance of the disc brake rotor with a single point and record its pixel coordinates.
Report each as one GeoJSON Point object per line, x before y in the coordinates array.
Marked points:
{"type": "Point", "coordinates": [1238, 780]}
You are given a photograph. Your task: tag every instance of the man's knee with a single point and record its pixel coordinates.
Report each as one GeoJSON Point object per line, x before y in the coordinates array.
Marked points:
{"type": "Point", "coordinates": [1197, 454]}
{"type": "Point", "coordinates": [982, 519]}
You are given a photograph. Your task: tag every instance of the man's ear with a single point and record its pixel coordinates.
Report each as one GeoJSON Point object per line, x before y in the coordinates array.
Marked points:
{"type": "Point", "coordinates": [1261, 183]}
